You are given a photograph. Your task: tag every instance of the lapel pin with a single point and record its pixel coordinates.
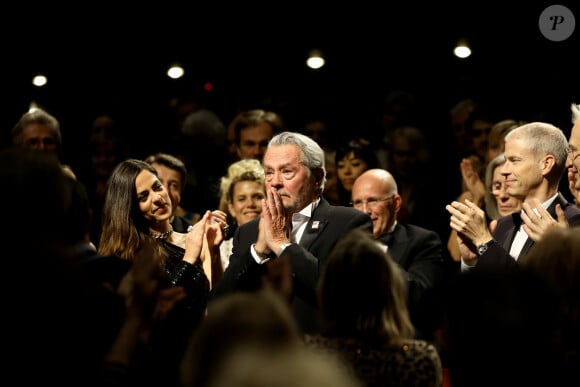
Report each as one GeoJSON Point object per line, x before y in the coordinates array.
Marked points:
{"type": "Point", "coordinates": [315, 225]}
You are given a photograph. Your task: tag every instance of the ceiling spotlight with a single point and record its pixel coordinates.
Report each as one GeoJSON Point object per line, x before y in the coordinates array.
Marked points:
{"type": "Point", "coordinates": [39, 80]}
{"type": "Point", "coordinates": [175, 71]}
{"type": "Point", "coordinates": [462, 49]}
{"type": "Point", "coordinates": [315, 60]}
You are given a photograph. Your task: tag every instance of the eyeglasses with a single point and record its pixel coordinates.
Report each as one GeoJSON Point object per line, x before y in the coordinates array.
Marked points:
{"type": "Point", "coordinates": [371, 203]}
{"type": "Point", "coordinates": [497, 186]}
{"type": "Point", "coordinates": [572, 153]}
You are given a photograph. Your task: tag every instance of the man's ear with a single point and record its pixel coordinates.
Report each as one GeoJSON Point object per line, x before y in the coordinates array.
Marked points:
{"type": "Point", "coordinates": [547, 164]}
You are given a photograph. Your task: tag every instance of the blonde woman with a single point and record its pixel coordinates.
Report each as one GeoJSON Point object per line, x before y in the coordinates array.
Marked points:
{"type": "Point", "coordinates": [242, 191]}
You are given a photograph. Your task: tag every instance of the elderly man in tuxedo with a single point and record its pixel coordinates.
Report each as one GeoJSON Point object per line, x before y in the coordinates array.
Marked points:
{"type": "Point", "coordinates": [417, 250]}
{"type": "Point", "coordinates": [536, 154]}
{"type": "Point", "coordinates": [297, 226]}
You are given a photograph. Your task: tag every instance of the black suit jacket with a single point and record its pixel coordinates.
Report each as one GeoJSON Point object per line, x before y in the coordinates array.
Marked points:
{"type": "Point", "coordinates": [327, 225]}
{"type": "Point", "coordinates": [497, 255]}
{"type": "Point", "coordinates": [180, 224]}
{"type": "Point", "coordinates": [419, 252]}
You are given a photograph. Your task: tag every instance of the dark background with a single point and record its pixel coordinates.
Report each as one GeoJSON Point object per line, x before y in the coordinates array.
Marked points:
{"type": "Point", "coordinates": [103, 58]}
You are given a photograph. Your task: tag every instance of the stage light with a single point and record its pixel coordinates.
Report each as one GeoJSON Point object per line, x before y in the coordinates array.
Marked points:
{"type": "Point", "coordinates": [315, 60]}
{"type": "Point", "coordinates": [462, 49]}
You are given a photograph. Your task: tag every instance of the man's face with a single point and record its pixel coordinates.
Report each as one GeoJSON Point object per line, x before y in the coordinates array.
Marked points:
{"type": "Point", "coordinates": [372, 196]}
{"type": "Point", "coordinates": [39, 137]}
{"type": "Point", "coordinates": [254, 141]}
{"type": "Point", "coordinates": [521, 170]}
{"type": "Point", "coordinates": [573, 160]}
{"type": "Point", "coordinates": [286, 172]}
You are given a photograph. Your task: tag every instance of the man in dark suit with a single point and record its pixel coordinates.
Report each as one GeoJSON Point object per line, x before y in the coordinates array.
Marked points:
{"type": "Point", "coordinates": [417, 250]}
{"type": "Point", "coordinates": [536, 157]}
{"type": "Point", "coordinates": [297, 224]}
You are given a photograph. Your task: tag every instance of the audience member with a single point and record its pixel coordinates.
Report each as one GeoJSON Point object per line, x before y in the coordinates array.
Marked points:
{"type": "Point", "coordinates": [318, 127]}
{"type": "Point", "coordinates": [296, 223]}
{"type": "Point", "coordinates": [556, 259]}
{"type": "Point", "coordinates": [137, 210]}
{"type": "Point", "coordinates": [251, 130]}
{"type": "Point", "coordinates": [473, 174]}
{"type": "Point", "coordinates": [352, 157]}
{"type": "Point", "coordinates": [573, 161]}
{"type": "Point", "coordinates": [146, 302]}
{"type": "Point", "coordinates": [106, 148]}
{"type": "Point", "coordinates": [203, 131]}
{"type": "Point", "coordinates": [287, 368]}
{"type": "Point", "coordinates": [495, 140]}
{"type": "Point", "coordinates": [397, 109]}
{"type": "Point", "coordinates": [367, 322]}
{"type": "Point", "coordinates": [68, 285]}
{"type": "Point", "coordinates": [497, 202]}
{"type": "Point", "coordinates": [173, 174]}
{"type": "Point", "coordinates": [479, 126]}
{"type": "Point", "coordinates": [421, 191]}
{"type": "Point", "coordinates": [459, 115]}
{"type": "Point", "coordinates": [418, 251]}
{"type": "Point", "coordinates": [331, 192]}
{"type": "Point", "coordinates": [535, 162]}
{"type": "Point", "coordinates": [40, 131]}
{"type": "Point", "coordinates": [238, 321]}
{"type": "Point", "coordinates": [500, 330]}
{"type": "Point", "coordinates": [473, 167]}
{"type": "Point", "coordinates": [241, 194]}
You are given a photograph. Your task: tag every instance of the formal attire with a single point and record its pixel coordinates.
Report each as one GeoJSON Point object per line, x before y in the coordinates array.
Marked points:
{"type": "Point", "coordinates": [325, 227]}
{"type": "Point", "coordinates": [180, 224]}
{"type": "Point", "coordinates": [419, 252]}
{"type": "Point", "coordinates": [498, 253]}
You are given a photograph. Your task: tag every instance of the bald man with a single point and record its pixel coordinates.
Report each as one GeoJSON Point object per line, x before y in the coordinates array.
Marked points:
{"type": "Point", "coordinates": [418, 251]}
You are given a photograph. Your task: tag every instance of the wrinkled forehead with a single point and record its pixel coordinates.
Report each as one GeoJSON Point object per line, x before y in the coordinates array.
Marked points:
{"type": "Point", "coordinates": [38, 131]}
{"type": "Point", "coordinates": [280, 155]}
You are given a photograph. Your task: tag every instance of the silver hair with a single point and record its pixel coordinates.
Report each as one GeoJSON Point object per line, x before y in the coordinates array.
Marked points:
{"type": "Point", "coordinates": [312, 154]}
{"type": "Point", "coordinates": [544, 139]}
{"type": "Point", "coordinates": [575, 107]}
{"type": "Point", "coordinates": [36, 116]}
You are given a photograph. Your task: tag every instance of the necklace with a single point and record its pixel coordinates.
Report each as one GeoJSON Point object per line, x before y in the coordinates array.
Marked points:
{"type": "Point", "coordinates": [163, 235]}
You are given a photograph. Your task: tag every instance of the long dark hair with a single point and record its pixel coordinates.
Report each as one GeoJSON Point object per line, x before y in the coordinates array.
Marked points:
{"type": "Point", "coordinates": [124, 228]}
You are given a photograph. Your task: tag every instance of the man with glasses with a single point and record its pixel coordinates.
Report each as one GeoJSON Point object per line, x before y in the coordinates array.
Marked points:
{"type": "Point", "coordinates": [573, 161]}
{"type": "Point", "coordinates": [417, 250]}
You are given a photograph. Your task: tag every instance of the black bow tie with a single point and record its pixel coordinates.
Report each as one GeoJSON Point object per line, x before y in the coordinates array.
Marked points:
{"type": "Point", "coordinates": [517, 219]}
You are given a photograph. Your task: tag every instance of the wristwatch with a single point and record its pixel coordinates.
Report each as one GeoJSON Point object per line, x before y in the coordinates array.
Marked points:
{"type": "Point", "coordinates": [482, 248]}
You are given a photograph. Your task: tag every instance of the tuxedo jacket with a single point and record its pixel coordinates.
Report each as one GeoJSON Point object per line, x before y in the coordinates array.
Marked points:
{"type": "Point", "coordinates": [419, 252]}
{"type": "Point", "coordinates": [327, 225]}
{"type": "Point", "coordinates": [180, 224]}
{"type": "Point", "coordinates": [497, 255]}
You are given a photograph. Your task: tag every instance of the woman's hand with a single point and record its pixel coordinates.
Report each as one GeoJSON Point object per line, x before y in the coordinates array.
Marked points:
{"type": "Point", "coordinates": [195, 238]}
